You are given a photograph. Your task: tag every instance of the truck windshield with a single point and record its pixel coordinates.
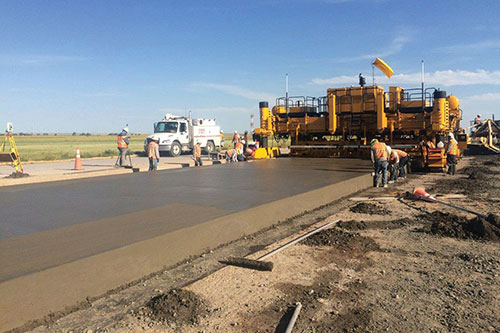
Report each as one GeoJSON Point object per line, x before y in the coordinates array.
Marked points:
{"type": "Point", "coordinates": [167, 127]}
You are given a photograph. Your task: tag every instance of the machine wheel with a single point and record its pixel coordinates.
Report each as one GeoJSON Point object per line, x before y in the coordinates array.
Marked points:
{"type": "Point", "coordinates": [175, 149]}
{"type": "Point", "coordinates": [210, 147]}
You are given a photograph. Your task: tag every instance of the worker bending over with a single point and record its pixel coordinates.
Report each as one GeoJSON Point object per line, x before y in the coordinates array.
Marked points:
{"type": "Point", "coordinates": [154, 153]}
{"type": "Point", "coordinates": [403, 158]}
{"type": "Point", "coordinates": [451, 153]}
{"type": "Point", "coordinates": [122, 142]}
{"type": "Point", "coordinates": [393, 164]}
{"type": "Point", "coordinates": [379, 155]}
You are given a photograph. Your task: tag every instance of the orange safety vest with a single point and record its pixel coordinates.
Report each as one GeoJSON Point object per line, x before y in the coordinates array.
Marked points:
{"type": "Point", "coordinates": [380, 151]}
{"type": "Point", "coordinates": [197, 151]}
{"type": "Point", "coordinates": [452, 148]}
{"type": "Point", "coordinates": [400, 153]}
{"type": "Point", "coordinates": [121, 142]}
{"type": "Point", "coordinates": [152, 149]}
{"type": "Point", "coordinates": [236, 138]}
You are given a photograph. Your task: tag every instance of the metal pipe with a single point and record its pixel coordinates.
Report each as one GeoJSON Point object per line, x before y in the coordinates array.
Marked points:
{"type": "Point", "coordinates": [296, 312]}
{"type": "Point", "coordinates": [296, 240]}
{"type": "Point", "coordinates": [461, 208]}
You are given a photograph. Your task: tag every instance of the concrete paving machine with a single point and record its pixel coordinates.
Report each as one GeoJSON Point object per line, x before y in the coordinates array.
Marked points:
{"type": "Point", "coordinates": [343, 122]}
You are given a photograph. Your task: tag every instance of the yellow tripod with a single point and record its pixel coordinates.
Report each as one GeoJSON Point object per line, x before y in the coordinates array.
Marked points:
{"type": "Point", "coordinates": [13, 154]}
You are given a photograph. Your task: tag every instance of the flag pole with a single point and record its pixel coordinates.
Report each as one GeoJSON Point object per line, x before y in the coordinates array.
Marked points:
{"type": "Point", "coordinates": [286, 91]}
{"type": "Point", "coordinates": [422, 78]}
{"type": "Point", "coordinates": [373, 75]}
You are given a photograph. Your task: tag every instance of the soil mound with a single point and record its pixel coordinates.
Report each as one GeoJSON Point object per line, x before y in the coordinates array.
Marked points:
{"type": "Point", "coordinates": [342, 240]}
{"type": "Point", "coordinates": [177, 306]}
{"type": "Point", "coordinates": [368, 208]}
{"type": "Point", "coordinates": [491, 163]}
{"type": "Point", "coordinates": [362, 225]}
{"type": "Point", "coordinates": [450, 225]}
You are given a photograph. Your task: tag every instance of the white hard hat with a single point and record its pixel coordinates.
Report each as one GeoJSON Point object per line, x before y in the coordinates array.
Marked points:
{"type": "Point", "coordinates": [389, 149]}
{"type": "Point", "coordinates": [479, 115]}
{"type": "Point", "coordinates": [235, 131]}
{"type": "Point", "coordinates": [125, 129]}
{"type": "Point", "coordinates": [450, 135]}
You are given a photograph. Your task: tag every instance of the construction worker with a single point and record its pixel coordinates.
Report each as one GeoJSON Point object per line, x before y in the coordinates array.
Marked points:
{"type": "Point", "coordinates": [122, 142]}
{"type": "Point", "coordinates": [404, 158]}
{"type": "Point", "coordinates": [451, 154]}
{"type": "Point", "coordinates": [154, 153]}
{"type": "Point", "coordinates": [236, 139]}
{"type": "Point", "coordinates": [222, 138]}
{"type": "Point", "coordinates": [477, 120]}
{"type": "Point", "coordinates": [197, 154]}
{"type": "Point", "coordinates": [245, 141]}
{"type": "Point", "coordinates": [231, 156]}
{"type": "Point", "coordinates": [393, 166]}
{"type": "Point", "coordinates": [379, 157]}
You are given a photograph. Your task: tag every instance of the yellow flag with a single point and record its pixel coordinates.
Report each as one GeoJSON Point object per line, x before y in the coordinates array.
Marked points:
{"type": "Point", "coordinates": [386, 69]}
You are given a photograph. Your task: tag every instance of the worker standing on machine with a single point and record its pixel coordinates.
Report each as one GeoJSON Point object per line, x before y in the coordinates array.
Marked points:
{"type": "Point", "coordinates": [122, 142]}
{"type": "Point", "coordinates": [379, 157]}
{"type": "Point", "coordinates": [197, 154]}
{"type": "Point", "coordinates": [404, 158]}
{"type": "Point", "coordinates": [393, 164]}
{"type": "Point", "coordinates": [154, 153]}
{"type": "Point", "coordinates": [451, 154]}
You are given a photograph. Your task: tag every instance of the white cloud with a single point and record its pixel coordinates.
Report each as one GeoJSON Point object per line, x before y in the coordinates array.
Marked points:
{"type": "Point", "coordinates": [235, 90]}
{"type": "Point", "coordinates": [442, 78]}
{"type": "Point", "coordinates": [38, 59]}
{"type": "Point", "coordinates": [472, 47]}
{"type": "Point", "coordinates": [397, 44]}
{"type": "Point", "coordinates": [207, 111]}
{"type": "Point", "coordinates": [487, 97]}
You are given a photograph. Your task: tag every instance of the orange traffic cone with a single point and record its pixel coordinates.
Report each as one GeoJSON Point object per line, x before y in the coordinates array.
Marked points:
{"type": "Point", "coordinates": [78, 160]}
{"type": "Point", "coordinates": [420, 193]}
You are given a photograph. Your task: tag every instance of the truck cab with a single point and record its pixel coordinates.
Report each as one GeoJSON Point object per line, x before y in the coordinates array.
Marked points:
{"type": "Point", "coordinates": [178, 134]}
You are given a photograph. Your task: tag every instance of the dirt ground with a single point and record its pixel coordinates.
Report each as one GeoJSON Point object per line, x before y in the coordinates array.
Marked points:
{"type": "Point", "coordinates": [390, 263]}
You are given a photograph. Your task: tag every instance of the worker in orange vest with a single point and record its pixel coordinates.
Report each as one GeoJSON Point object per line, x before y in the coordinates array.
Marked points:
{"type": "Point", "coordinates": [197, 154]}
{"type": "Point", "coordinates": [123, 141]}
{"type": "Point", "coordinates": [154, 153]}
{"type": "Point", "coordinates": [393, 165]}
{"type": "Point", "coordinates": [236, 139]}
{"type": "Point", "coordinates": [451, 154]}
{"type": "Point", "coordinates": [404, 158]}
{"type": "Point", "coordinates": [379, 156]}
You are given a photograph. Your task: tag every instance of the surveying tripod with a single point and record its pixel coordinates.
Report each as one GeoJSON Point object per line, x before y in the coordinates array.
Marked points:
{"type": "Point", "coordinates": [13, 154]}
{"type": "Point", "coordinates": [117, 163]}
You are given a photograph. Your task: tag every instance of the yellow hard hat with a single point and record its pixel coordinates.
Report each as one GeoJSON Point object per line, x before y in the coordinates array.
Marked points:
{"type": "Point", "coordinates": [374, 141]}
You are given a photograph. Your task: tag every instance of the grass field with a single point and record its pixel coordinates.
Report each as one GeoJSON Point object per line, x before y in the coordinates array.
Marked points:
{"type": "Point", "coordinates": [63, 147]}
{"type": "Point", "coordinates": [49, 148]}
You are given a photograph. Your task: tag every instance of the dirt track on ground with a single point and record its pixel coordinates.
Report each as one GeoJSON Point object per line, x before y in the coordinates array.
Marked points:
{"type": "Point", "coordinates": [395, 265]}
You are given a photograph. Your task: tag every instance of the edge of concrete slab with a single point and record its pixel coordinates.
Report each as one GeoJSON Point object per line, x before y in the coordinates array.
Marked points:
{"type": "Point", "coordinates": [36, 295]}
{"type": "Point", "coordinates": [92, 173]}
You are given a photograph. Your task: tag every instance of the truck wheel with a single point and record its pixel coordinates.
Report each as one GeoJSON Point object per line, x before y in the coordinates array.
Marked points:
{"type": "Point", "coordinates": [175, 149]}
{"type": "Point", "coordinates": [210, 147]}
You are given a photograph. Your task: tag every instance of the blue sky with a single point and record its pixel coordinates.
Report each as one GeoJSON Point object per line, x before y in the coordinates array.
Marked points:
{"type": "Point", "coordinates": [94, 66]}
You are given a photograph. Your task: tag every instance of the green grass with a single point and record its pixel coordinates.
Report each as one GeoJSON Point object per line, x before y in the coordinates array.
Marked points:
{"type": "Point", "coordinates": [49, 148]}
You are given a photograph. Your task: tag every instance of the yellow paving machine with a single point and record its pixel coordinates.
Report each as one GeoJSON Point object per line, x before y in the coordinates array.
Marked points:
{"type": "Point", "coordinates": [343, 122]}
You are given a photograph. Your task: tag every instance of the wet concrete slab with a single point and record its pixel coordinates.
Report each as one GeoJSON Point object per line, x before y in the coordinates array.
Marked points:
{"type": "Point", "coordinates": [233, 187]}
{"type": "Point", "coordinates": [125, 227]}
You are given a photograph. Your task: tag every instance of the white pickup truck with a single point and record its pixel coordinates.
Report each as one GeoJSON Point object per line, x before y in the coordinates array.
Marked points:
{"type": "Point", "coordinates": [178, 134]}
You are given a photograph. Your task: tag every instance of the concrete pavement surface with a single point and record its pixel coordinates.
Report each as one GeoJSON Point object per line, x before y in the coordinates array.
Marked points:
{"type": "Point", "coordinates": [63, 229]}
{"type": "Point", "coordinates": [62, 170]}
